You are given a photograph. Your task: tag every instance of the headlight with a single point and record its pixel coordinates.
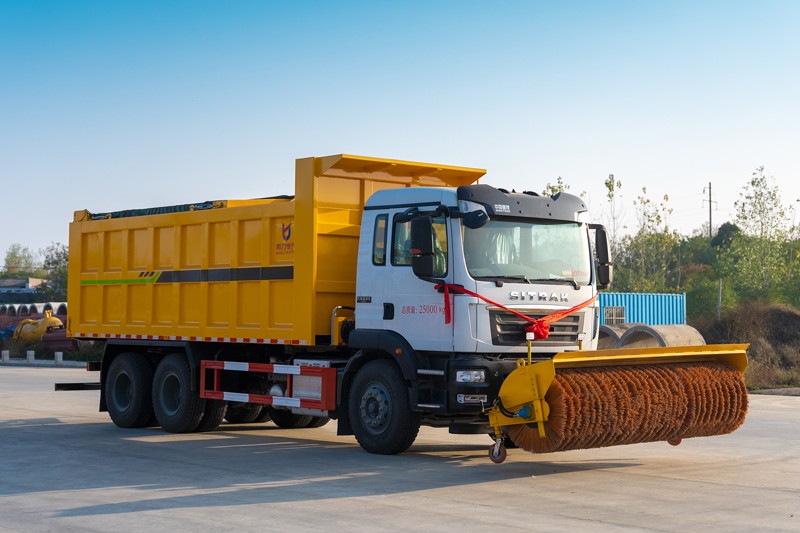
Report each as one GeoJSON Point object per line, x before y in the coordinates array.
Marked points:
{"type": "Point", "coordinates": [470, 376]}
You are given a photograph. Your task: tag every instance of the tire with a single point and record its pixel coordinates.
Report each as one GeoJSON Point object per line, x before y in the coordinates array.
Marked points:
{"type": "Point", "coordinates": [243, 413]}
{"type": "Point", "coordinates": [498, 456]}
{"type": "Point", "coordinates": [263, 416]}
{"type": "Point", "coordinates": [379, 409]}
{"type": "Point", "coordinates": [178, 408]}
{"type": "Point", "coordinates": [318, 421]}
{"type": "Point", "coordinates": [213, 415]}
{"type": "Point", "coordinates": [128, 387]}
{"type": "Point", "coordinates": [288, 420]}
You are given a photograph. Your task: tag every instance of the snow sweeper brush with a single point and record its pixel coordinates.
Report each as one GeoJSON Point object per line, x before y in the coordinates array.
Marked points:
{"type": "Point", "coordinates": [582, 400]}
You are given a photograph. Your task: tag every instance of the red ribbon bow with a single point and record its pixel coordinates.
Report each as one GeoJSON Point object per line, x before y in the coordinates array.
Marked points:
{"type": "Point", "coordinates": [539, 326]}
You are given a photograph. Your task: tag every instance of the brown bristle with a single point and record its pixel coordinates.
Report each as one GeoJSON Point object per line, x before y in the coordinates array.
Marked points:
{"type": "Point", "coordinates": [609, 406]}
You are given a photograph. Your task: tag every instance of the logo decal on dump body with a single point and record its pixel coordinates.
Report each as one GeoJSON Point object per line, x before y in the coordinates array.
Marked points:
{"type": "Point", "coordinates": [284, 240]}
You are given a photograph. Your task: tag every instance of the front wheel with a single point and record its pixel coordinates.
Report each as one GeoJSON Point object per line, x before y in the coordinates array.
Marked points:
{"type": "Point", "coordinates": [379, 409]}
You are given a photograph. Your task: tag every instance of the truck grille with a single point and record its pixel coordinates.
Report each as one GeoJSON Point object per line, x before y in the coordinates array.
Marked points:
{"type": "Point", "coordinates": [509, 330]}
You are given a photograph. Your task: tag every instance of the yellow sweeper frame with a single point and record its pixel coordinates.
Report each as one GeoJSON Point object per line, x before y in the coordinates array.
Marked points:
{"type": "Point", "coordinates": [521, 399]}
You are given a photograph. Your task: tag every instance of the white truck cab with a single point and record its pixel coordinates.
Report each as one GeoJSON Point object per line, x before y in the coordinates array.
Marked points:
{"type": "Point", "coordinates": [526, 252]}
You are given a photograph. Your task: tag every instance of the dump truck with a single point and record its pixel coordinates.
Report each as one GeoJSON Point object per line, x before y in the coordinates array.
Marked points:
{"type": "Point", "coordinates": [386, 295]}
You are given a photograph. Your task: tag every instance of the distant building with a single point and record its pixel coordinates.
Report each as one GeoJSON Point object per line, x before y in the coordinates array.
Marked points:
{"type": "Point", "coordinates": [644, 308]}
{"type": "Point", "coordinates": [19, 290]}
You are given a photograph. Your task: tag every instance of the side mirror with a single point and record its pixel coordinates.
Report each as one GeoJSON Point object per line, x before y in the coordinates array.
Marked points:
{"type": "Point", "coordinates": [605, 267]}
{"type": "Point", "coordinates": [605, 274]}
{"type": "Point", "coordinates": [422, 247]}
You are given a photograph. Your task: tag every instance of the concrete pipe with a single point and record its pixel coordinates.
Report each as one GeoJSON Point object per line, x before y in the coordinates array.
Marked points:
{"type": "Point", "coordinates": [609, 335]}
{"type": "Point", "coordinates": [642, 336]}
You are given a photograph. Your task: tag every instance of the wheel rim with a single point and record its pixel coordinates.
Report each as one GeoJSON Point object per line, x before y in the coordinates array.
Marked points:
{"type": "Point", "coordinates": [123, 392]}
{"type": "Point", "coordinates": [375, 407]}
{"type": "Point", "coordinates": [171, 394]}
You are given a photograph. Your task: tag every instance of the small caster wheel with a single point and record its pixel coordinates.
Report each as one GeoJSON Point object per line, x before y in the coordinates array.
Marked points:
{"type": "Point", "coordinates": [675, 441]}
{"type": "Point", "coordinates": [497, 453]}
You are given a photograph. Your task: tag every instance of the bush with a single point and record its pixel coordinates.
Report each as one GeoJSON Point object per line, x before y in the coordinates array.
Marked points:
{"type": "Point", "coordinates": [773, 332]}
{"type": "Point", "coordinates": [87, 351]}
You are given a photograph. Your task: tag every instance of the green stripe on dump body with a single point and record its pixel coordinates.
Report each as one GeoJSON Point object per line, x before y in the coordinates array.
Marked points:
{"type": "Point", "coordinates": [144, 278]}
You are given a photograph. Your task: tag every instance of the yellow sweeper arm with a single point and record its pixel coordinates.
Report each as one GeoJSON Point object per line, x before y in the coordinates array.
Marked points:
{"type": "Point", "coordinates": [610, 397]}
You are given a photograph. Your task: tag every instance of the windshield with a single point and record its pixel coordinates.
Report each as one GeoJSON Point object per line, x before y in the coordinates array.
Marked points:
{"type": "Point", "coordinates": [528, 251]}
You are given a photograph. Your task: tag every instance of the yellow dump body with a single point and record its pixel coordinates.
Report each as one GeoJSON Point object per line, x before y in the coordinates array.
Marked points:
{"type": "Point", "coordinates": [254, 271]}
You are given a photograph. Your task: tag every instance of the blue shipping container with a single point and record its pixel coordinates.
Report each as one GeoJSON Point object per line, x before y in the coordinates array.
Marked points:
{"type": "Point", "coordinates": [647, 308]}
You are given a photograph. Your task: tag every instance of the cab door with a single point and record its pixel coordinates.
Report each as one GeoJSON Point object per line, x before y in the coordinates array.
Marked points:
{"type": "Point", "coordinates": [412, 307]}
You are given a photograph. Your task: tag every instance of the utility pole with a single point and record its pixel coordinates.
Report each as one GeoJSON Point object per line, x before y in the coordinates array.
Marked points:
{"type": "Point", "coordinates": [710, 236]}
{"type": "Point", "coordinates": [709, 209]}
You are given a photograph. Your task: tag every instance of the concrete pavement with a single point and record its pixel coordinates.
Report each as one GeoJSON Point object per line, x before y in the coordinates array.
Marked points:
{"type": "Point", "coordinates": [66, 467]}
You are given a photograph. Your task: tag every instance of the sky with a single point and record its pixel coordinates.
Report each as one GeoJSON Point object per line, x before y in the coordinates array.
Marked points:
{"type": "Point", "coordinates": [115, 105]}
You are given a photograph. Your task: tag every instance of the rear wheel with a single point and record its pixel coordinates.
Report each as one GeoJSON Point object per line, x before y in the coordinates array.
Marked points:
{"type": "Point", "coordinates": [178, 408]}
{"type": "Point", "coordinates": [243, 413]}
{"type": "Point", "coordinates": [128, 387]}
{"type": "Point", "coordinates": [379, 409]}
{"type": "Point", "coordinates": [263, 416]}
{"type": "Point", "coordinates": [213, 415]}
{"type": "Point", "coordinates": [318, 421]}
{"type": "Point", "coordinates": [288, 420]}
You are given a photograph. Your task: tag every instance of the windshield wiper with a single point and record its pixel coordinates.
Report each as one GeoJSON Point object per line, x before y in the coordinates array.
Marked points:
{"type": "Point", "coordinates": [519, 277]}
{"type": "Point", "coordinates": [526, 279]}
{"type": "Point", "coordinates": [503, 277]}
{"type": "Point", "coordinates": [571, 281]}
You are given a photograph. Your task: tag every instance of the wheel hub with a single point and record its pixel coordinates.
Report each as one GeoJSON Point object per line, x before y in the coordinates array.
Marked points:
{"type": "Point", "coordinates": [375, 408]}
{"type": "Point", "coordinates": [123, 392]}
{"type": "Point", "coordinates": [171, 394]}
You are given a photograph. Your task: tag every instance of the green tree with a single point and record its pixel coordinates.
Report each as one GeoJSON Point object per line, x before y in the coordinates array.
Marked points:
{"type": "Point", "coordinates": [54, 288]}
{"type": "Point", "coordinates": [20, 261]}
{"type": "Point", "coordinates": [698, 276]}
{"type": "Point", "coordinates": [614, 214]}
{"type": "Point", "coordinates": [724, 235]}
{"type": "Point", "coordinates": [551, 189]}
{"type": "Point", "coordinates": [697, 250]}
{"type": "Point", "coordinates": [648, 260]}
{"type": "Point", "coordinates": [755, 267]}
{"type": "Point", "coordinates": [759, 209]}
{"type": "Point", "coordinates": [755, 260]}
